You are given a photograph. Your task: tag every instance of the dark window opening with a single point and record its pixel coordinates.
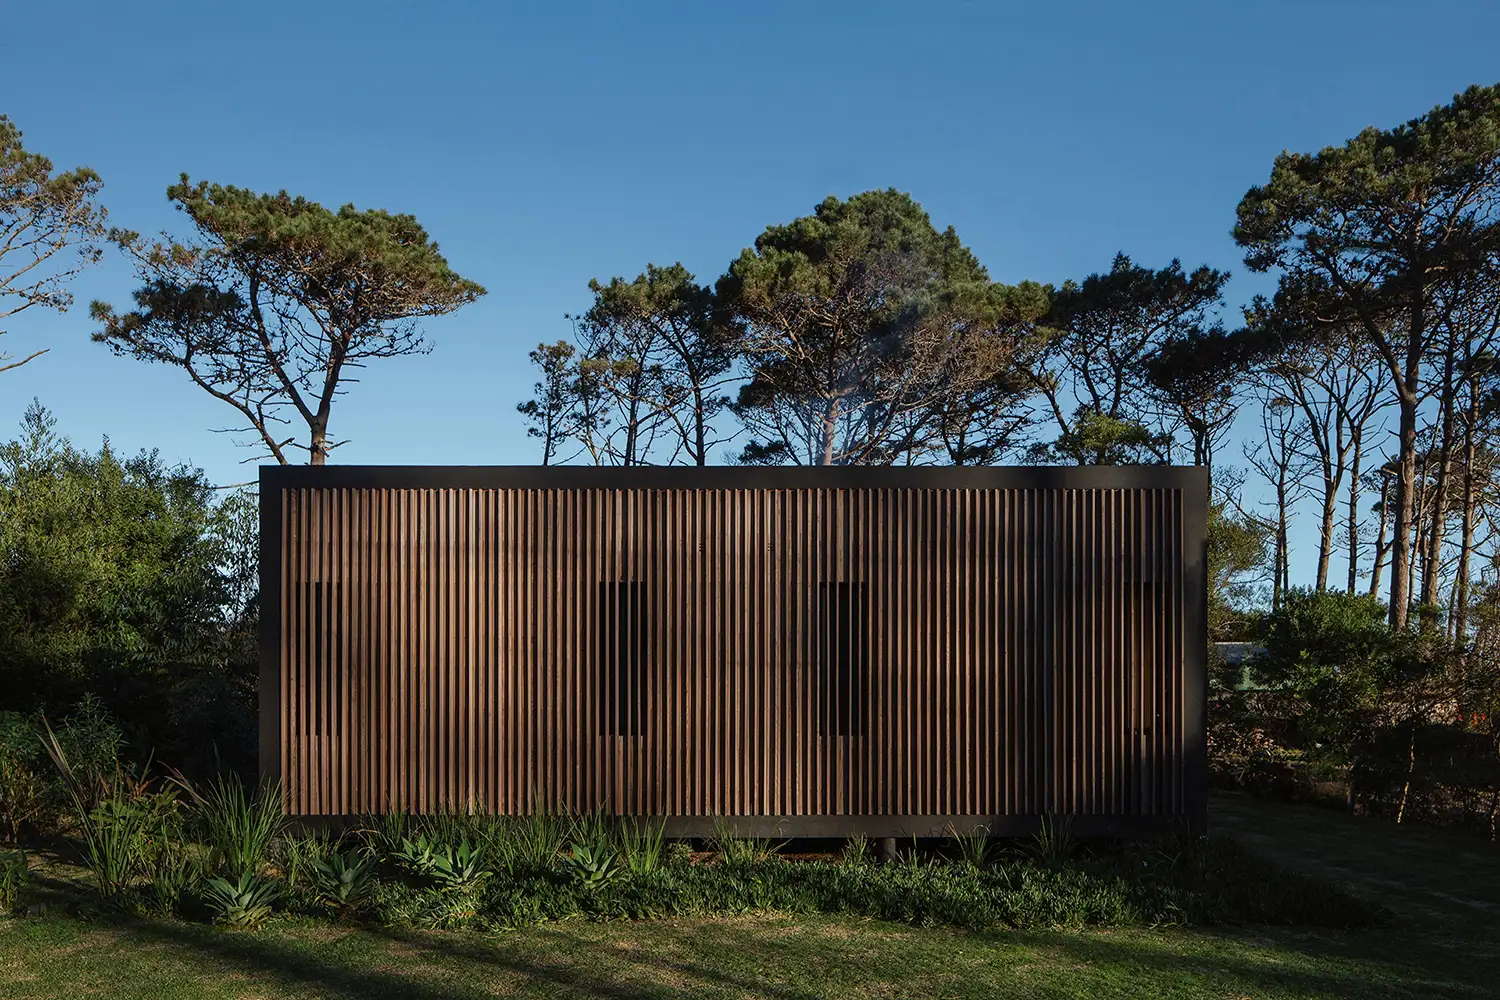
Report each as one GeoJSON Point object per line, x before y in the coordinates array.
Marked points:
{"type": "Point", "coordinates": [319, 603]}
{"type": "Point", "coordinates": [624, 636]}
{"type": "Point", "coordinates": [843, 658]}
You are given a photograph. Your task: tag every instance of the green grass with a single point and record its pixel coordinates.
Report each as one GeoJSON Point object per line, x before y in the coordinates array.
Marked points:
{"type": "Point", "coordinates": [1445, 942]}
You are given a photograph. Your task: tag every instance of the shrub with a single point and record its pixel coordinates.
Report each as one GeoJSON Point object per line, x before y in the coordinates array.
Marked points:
{"type": "Point", "coordinates": [238, 826]}
{"type": "Point", "coordinates": [245, 903]}
{"type": "Point", "coordinates": [15, 873]}
{"type": "Point", "coordinates": [736, 850]}
{"type": "Point", "coordinates": [344, 880]}
{"type": "Point", "coordinates": [641, 844]}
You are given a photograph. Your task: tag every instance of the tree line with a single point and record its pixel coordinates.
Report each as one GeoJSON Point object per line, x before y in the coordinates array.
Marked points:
{"type": "Point", "coordinates": [1364, 387]}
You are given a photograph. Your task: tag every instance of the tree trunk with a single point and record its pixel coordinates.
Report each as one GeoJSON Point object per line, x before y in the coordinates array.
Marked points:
{"type": "Point", "coordinates": [1354, 515]}
{"type": "Point", "coordinates": [1411, 768]}
{"type": "Point", "coordinates": [830, 428]}
{"type": "Point", "coordinates": [318, 446]}
{"type": "Point", "coordinates": [1406, 484]}
{"type": "Point", "coordinates": [1466, 537]}
{"type": "Point", "coordinates": [1433, 563]}
{"type": "Point", "coordinates": [1380, 543]}
{"type": "Point", "coordinates": [1325, 533]}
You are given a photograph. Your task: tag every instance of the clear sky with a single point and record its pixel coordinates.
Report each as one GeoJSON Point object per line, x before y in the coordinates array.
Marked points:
{"type": "Point", "coordinates": [542, 144]}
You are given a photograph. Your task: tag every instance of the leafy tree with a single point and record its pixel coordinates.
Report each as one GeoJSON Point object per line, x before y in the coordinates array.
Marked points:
{"type": "Point", "coordinates": [1236, 550]}
{"type": "Point", "coordinates": [1111, 328]}
{"type": "Point", "coordinates": [863, 324]}
{"type": "Point", "coordinates": [547, 411]}
{"type": "Point", "coordinates": [1384, 221]}
{"type": "Point", "coordinates": [51, 226]}
{"type": "Point", "coordinates": [664, 352]}
{"type": "Point", "coordinates": [275, 300]}
{"type": "Point", "coordinates": [125, 579]}
{"type": "Point", "coordinates": [1197, 375]}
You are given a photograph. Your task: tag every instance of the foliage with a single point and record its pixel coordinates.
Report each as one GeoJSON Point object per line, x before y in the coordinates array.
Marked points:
{"type": "Point", "coordinates": [594, 862]}
{"type": "Point", "coordinates": [641, 844]}
{"type": "Point", "coordinates": [124, 823]}
{"type": "Point", "coordinates": [975, 847]}
{"type": "Point", "coordinates": [1236, 550]}
{"type": "Point", "coordinates": [15, 874]}
{"type": "Point", "coordinates": [344, 879]}
{"type": "Point", "coordinates": [51, 226]}
{"type": "Point", "coordinates": [451, 866]}
{"type": "Point", "coordinates": [245, 903]}
{"type": "Point", "coordinates": [1118, 333]}
{"type": "Point", "coordinates": [856, 850]}
{"type": "Point", "coordinates": [274, 300]}
{"type": "Point", "coordinates": [125, 580]}
{"type": "Point", "coordinates": [734, 849]}
{"type": "Point", "coordinates": [238, 825]}
{"type": "Point", "coordinates": [873, 338]}
{"type": "Point", "coordinates": [1387, 233]}
{"type": "Point", "coordinates": [1053, 844]}
{"type": "Point", "coordinates": [539, 839]}
{"type": "Point", "coordinates": [655, 356]}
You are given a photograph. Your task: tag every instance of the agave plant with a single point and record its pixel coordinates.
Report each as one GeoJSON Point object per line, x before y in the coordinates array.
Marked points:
{"type": "Point", "coordinates": [244, 904]}
{"type": "Point", "coordinates": [417, 856]}
{"type": "Point", "coordinates": [595, 864]}
{"type": "Point", "coordinates": [459, 868]}
{"type": "Point", "coordinates": [344, 879]}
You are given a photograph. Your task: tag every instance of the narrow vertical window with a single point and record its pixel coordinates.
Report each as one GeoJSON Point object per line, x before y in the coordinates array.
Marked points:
{"type": "Point", "coordinates": [623, 643]}
{"type": "Point", "coordinates": [319, 598]}
{"type": "Point", "coordinates": [843, 658]}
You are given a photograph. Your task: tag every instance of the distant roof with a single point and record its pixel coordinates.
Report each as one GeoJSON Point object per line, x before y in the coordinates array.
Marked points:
{"type": "Point", "coordinates": [1236, 653]}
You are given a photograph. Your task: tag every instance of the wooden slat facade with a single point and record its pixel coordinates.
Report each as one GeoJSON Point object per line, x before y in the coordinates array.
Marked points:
{"type": "Point", "coordinates": [801, 651]}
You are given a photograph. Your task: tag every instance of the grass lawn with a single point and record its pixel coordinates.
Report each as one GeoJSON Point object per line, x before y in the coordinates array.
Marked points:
{"type": "Point", "coordinates": [1445, 942]}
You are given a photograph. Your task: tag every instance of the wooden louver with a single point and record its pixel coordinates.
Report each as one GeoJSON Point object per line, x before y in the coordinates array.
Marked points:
{"type": "Point", "coordinates": [804, 651]}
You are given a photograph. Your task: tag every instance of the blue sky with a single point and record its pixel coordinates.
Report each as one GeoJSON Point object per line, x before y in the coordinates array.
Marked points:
{"type": "Point", "coordinates": [545, 144]}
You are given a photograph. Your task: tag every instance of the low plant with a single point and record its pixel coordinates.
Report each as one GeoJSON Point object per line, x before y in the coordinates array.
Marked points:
{"type": "Point", "coordinates": [679, 854]}
{"type": "Point", "coordinates": [122, 821]}
{"type": "Point", "coordinates": [642, 844]}
{"type": "Point", "coordinates": [245, 903]}
{"type": "Point", "coordinates": [297, 858]}
{"type": "Point", "coordinates": [15, 873]}
{"type": "Point", "coordinates": [238, 825]}
{"type": "Point", "coordinates": [383, 833]}
{"type": "Point", "coordinates": [975, 847]}
{"type": "Point", "coordinates": [1053, 844]}
{"type": "Point", "coordinates": [449, 867]}
{"type": "Point", "coordinates": [459, 868]}
{"type": "Point", "coordinates": [856, 850]}
{"type": "Point", "coordinates": [736, 850]}
{"type": "Point", "coordinates": [594, 864]}
{"type": "Point", "coordinates": [171, 877]}
{"type": "Point", "coordinates": [23, 792]}
{"type": "Point", "coordinates": [538, 839]}
{"type": "Point", "coordinates": [417, 856]}
{"type": "Point", "coordinates": [344, 879]}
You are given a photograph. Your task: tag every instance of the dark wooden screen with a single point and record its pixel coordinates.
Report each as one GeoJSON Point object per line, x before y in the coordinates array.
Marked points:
{"type": "Point", "coordinates": [912, 653]}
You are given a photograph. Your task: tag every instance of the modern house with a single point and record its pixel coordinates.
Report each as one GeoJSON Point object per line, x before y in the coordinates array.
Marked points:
{"type": "Point", "coordinates": [798, 651]}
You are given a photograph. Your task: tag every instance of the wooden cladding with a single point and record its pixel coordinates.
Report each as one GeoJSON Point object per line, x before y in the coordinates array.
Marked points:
{"type": "Point", "coordinates": [826, 650]}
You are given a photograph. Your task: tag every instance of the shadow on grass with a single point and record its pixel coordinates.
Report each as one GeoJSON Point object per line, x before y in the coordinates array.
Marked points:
{"type": "Point", "coordinates": [412, 965]}
{"type": "Point", "coordinates": [722, 958]}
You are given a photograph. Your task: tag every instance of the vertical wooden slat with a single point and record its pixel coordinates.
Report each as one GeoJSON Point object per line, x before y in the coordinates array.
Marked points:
{"type": "Point", "coordinates": [1016, 650]}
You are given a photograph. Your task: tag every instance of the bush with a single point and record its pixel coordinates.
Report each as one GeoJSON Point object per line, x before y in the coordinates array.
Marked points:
{"type": "Point", "coordinates": [1173, 881]}
{"type": "Point", "coordinates": [15, 873]}
{"type": "Point", "coordinates": [34, 795]}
